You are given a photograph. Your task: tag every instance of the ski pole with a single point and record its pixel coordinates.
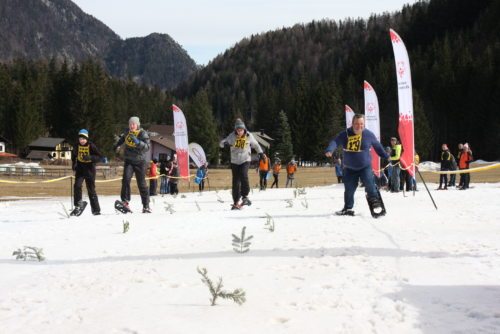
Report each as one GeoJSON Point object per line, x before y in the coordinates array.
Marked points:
{"type": "Point", "coordinates": [423, 181]}
{"type": "Point", "coordinates": [71, 191]}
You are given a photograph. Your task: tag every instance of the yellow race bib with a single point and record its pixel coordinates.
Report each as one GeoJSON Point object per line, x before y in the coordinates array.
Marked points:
{"type": "Point", "coordinates": [354, 143]}
{"type": "Point", "coordinates": [240, 142]}
{"type": "Point", "coordinates": [128, 140]}
{"type": "Point", "coordinates": [82, 151]}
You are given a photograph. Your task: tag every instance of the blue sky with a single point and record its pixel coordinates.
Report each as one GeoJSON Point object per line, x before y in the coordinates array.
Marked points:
{"type": "Point", "coordinates": [207, 28]}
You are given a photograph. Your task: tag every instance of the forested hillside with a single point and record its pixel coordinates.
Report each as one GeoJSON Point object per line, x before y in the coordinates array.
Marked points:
{"type": "Point", "coordinates": [310, 71]}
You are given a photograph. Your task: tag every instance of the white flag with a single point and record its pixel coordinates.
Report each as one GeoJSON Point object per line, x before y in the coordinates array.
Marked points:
{"type": "Point", "coordinates": [181, 141]}
{"type": "Point", "coordinates": [349, 114]}
{"type": "Point", "coordinates": [372, 122]}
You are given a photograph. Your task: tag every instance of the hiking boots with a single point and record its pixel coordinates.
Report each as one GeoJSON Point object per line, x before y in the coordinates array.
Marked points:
{"type": "Point", "coordinates": [245, 201]}
{"type": "Point", "coordinates": [146, 209]}
{"type": "Point", "coordinates": [345, 212]}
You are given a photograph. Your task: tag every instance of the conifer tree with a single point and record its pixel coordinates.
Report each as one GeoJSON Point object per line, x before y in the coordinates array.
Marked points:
{"type": "Point", "coordinates": [202, 128]}
{"type": "Point", "coordinates": [283, 138]}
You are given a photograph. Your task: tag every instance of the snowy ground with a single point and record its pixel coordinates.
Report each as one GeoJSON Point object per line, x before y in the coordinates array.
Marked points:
{"type": "Point", "coordinates": [417, 270]}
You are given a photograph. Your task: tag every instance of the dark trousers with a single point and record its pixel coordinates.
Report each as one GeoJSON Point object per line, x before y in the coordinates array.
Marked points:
{"type": "Point", "coordinates": [394, 183]}
{"type": "Point", "coordinates": [276, 179]}
{"type": "Point", "coordinates": [201, 186]}
{"type": "Point", "coordinates": [443, 180]}
{"type": "Point", "coordinates": [153, 184]}
{"type": "Point", "coordinates": [263, 180]}
{"type": "Point", "coordinates": [139, 169]}
{"type": "Point", "coordinates": [405, 180]}
{"type": "Point", "coordinates": [453, 178]}
{"type": "Point", "coordinates": [90, 183]}
{"type": "Point", "coordinates": [164, 185]}
{"type": "Point", "coordinates": [465, 180]}
{"type": "Point", "coordinates": [241, 188]}
{"type": "Point", "coordinates": [351, 180]}
{"type": "Point", "coordinates": [173, 188]}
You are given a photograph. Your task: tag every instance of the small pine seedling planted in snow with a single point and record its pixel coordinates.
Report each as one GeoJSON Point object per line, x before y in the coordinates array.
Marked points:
{"type": "Point", "coordinates": [269, 222]}
{"type": "Point", "coordinates": [29, 253]}
{"type": "Point", "coordinates": [169, 208]}
{"type": "Point", "coordinates": [241, 244]}
{"type": "Point", "coordinates": [197, 205]}
{"type": "Point", "coordinates": [304, 203]}
{"type": "Point", "coordinates": [238, 295]}
{"type": "Point", "coordinates": [289, 202]}
{"type": "Point", "coordinates": [126, 226]}
{"type": "Point", "coordinates": [301, 191]}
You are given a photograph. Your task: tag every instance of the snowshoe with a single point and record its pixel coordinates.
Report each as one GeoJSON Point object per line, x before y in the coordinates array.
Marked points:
{"type": "Point", "coordinates": [376, 205]}
{"type": "Point", "coordinates": [345, 212]}
{"type": "Point", "coordinates": [246, 201]}
{"type": "Point", "coordinates": [122, 207]}
{"type": "Point", "coordinates": [236, 206]}
{"type": "Point", "coordinates": [78, 210]}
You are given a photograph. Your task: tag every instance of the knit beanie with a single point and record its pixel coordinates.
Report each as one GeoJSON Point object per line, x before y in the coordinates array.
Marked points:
{"type": "Point", "coordinates": [83, 133]}
{"type": "Point", "coordinates": [238, 124]}
{"type": "Point", "coordinates": [135, 120]}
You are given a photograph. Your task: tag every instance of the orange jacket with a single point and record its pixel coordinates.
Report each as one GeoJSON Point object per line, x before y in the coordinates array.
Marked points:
{"type": "Point", "coordinates": [152, 170]}
{"type": "Point", "coordinates": [276, 168]}
{"type": "Point", "coordinates": [291, 168]}
{"type": "Point", "coordinates": [264, 164]}
{"type": "Point", "coordinates": [465, 160]}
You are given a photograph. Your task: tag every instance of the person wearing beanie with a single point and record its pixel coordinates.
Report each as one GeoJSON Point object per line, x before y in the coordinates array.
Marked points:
{"type": "Point", "coordinates": [240, 142]}
{"type": "Point", "coordinates": [136, 142]}
{"type": "Point", "coordinates": [84, 157]}
{"type": "Point", "coordinates": [445, 166]}
{"type": "Point", "coordinates": [464, 163]}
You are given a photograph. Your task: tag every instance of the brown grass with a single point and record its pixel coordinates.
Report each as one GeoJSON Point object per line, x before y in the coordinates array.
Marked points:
{"type": "Point", "coordinates": [218, 179]}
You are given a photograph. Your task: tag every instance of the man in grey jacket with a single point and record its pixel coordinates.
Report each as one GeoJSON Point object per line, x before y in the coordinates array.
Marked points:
{"type": "Point", "coordinates": [241, 143]}
{"type": "Point", "coordinates": [136, 142]}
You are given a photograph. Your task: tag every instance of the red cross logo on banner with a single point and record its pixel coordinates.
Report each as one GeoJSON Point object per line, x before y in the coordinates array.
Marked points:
{"type": "Point", "coordinates": [401, 68]}
{"type": "Point", "coordinates": [370, 107]}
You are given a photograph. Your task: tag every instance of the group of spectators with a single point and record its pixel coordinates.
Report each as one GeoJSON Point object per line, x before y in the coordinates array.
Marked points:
{"type": "Point", "coordinates": [450, 163]}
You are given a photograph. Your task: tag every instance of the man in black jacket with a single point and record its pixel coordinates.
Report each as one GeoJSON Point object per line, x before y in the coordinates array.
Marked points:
{"type": "Point", "coordinates": [136, 142]}
{"type": "Point", "coordinates": [445, 166]}
{"type": "Point", "coordinates": [84, 156]}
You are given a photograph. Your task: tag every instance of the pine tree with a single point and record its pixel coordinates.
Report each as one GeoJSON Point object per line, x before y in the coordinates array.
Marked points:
{"type": "Point", "coordinates": [202, 128]}
{"type": "Point", "coordinates": [283, 138]}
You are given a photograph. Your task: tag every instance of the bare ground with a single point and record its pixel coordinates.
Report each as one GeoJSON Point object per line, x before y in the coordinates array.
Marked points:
{"type": "Point", "coordinates": [218, 179]}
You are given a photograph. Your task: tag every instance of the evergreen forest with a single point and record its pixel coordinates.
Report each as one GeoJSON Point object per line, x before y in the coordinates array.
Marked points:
{"type": "Point", "coordinates": [292, 83]}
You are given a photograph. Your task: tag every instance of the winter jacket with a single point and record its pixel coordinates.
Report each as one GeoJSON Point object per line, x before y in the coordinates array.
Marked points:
{"type": "Point", "coordinates": [395, 153]}
{"type": "Point", "coordinates": [446, 160]}
{"type": "Point", "coordinates": [357, 148]}
{"type": "Point", "coordinates": [276, 168]}
{"type": "Point", "coordinates": [291, 168]}
{"type": "Point", "coordinates": [465, 160]}
{"type": "Point", "coordinates": [174, 173]}
{"type": "Point", "coordinates": [241, 147]}
{"type": "Point", "coordinates": [84, 158]}
{"type": "Point", "coordinates": [153, 170]}
{"type": "Point", "coordinates": [134, 153]}
{"type": "Point", "coordinates": [264, 164]}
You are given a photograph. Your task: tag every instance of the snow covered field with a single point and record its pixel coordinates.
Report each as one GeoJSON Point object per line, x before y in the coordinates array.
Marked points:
{"type": "Point", "coordinates": [417, 270]}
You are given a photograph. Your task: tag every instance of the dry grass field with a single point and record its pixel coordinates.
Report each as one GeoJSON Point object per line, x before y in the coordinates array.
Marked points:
{"type": "Point", "coordinates": [218, 179]}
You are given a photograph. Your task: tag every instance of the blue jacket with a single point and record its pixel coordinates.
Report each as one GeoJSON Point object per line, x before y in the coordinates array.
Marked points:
{"type": "Point", "coordinates": [357, 148]}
